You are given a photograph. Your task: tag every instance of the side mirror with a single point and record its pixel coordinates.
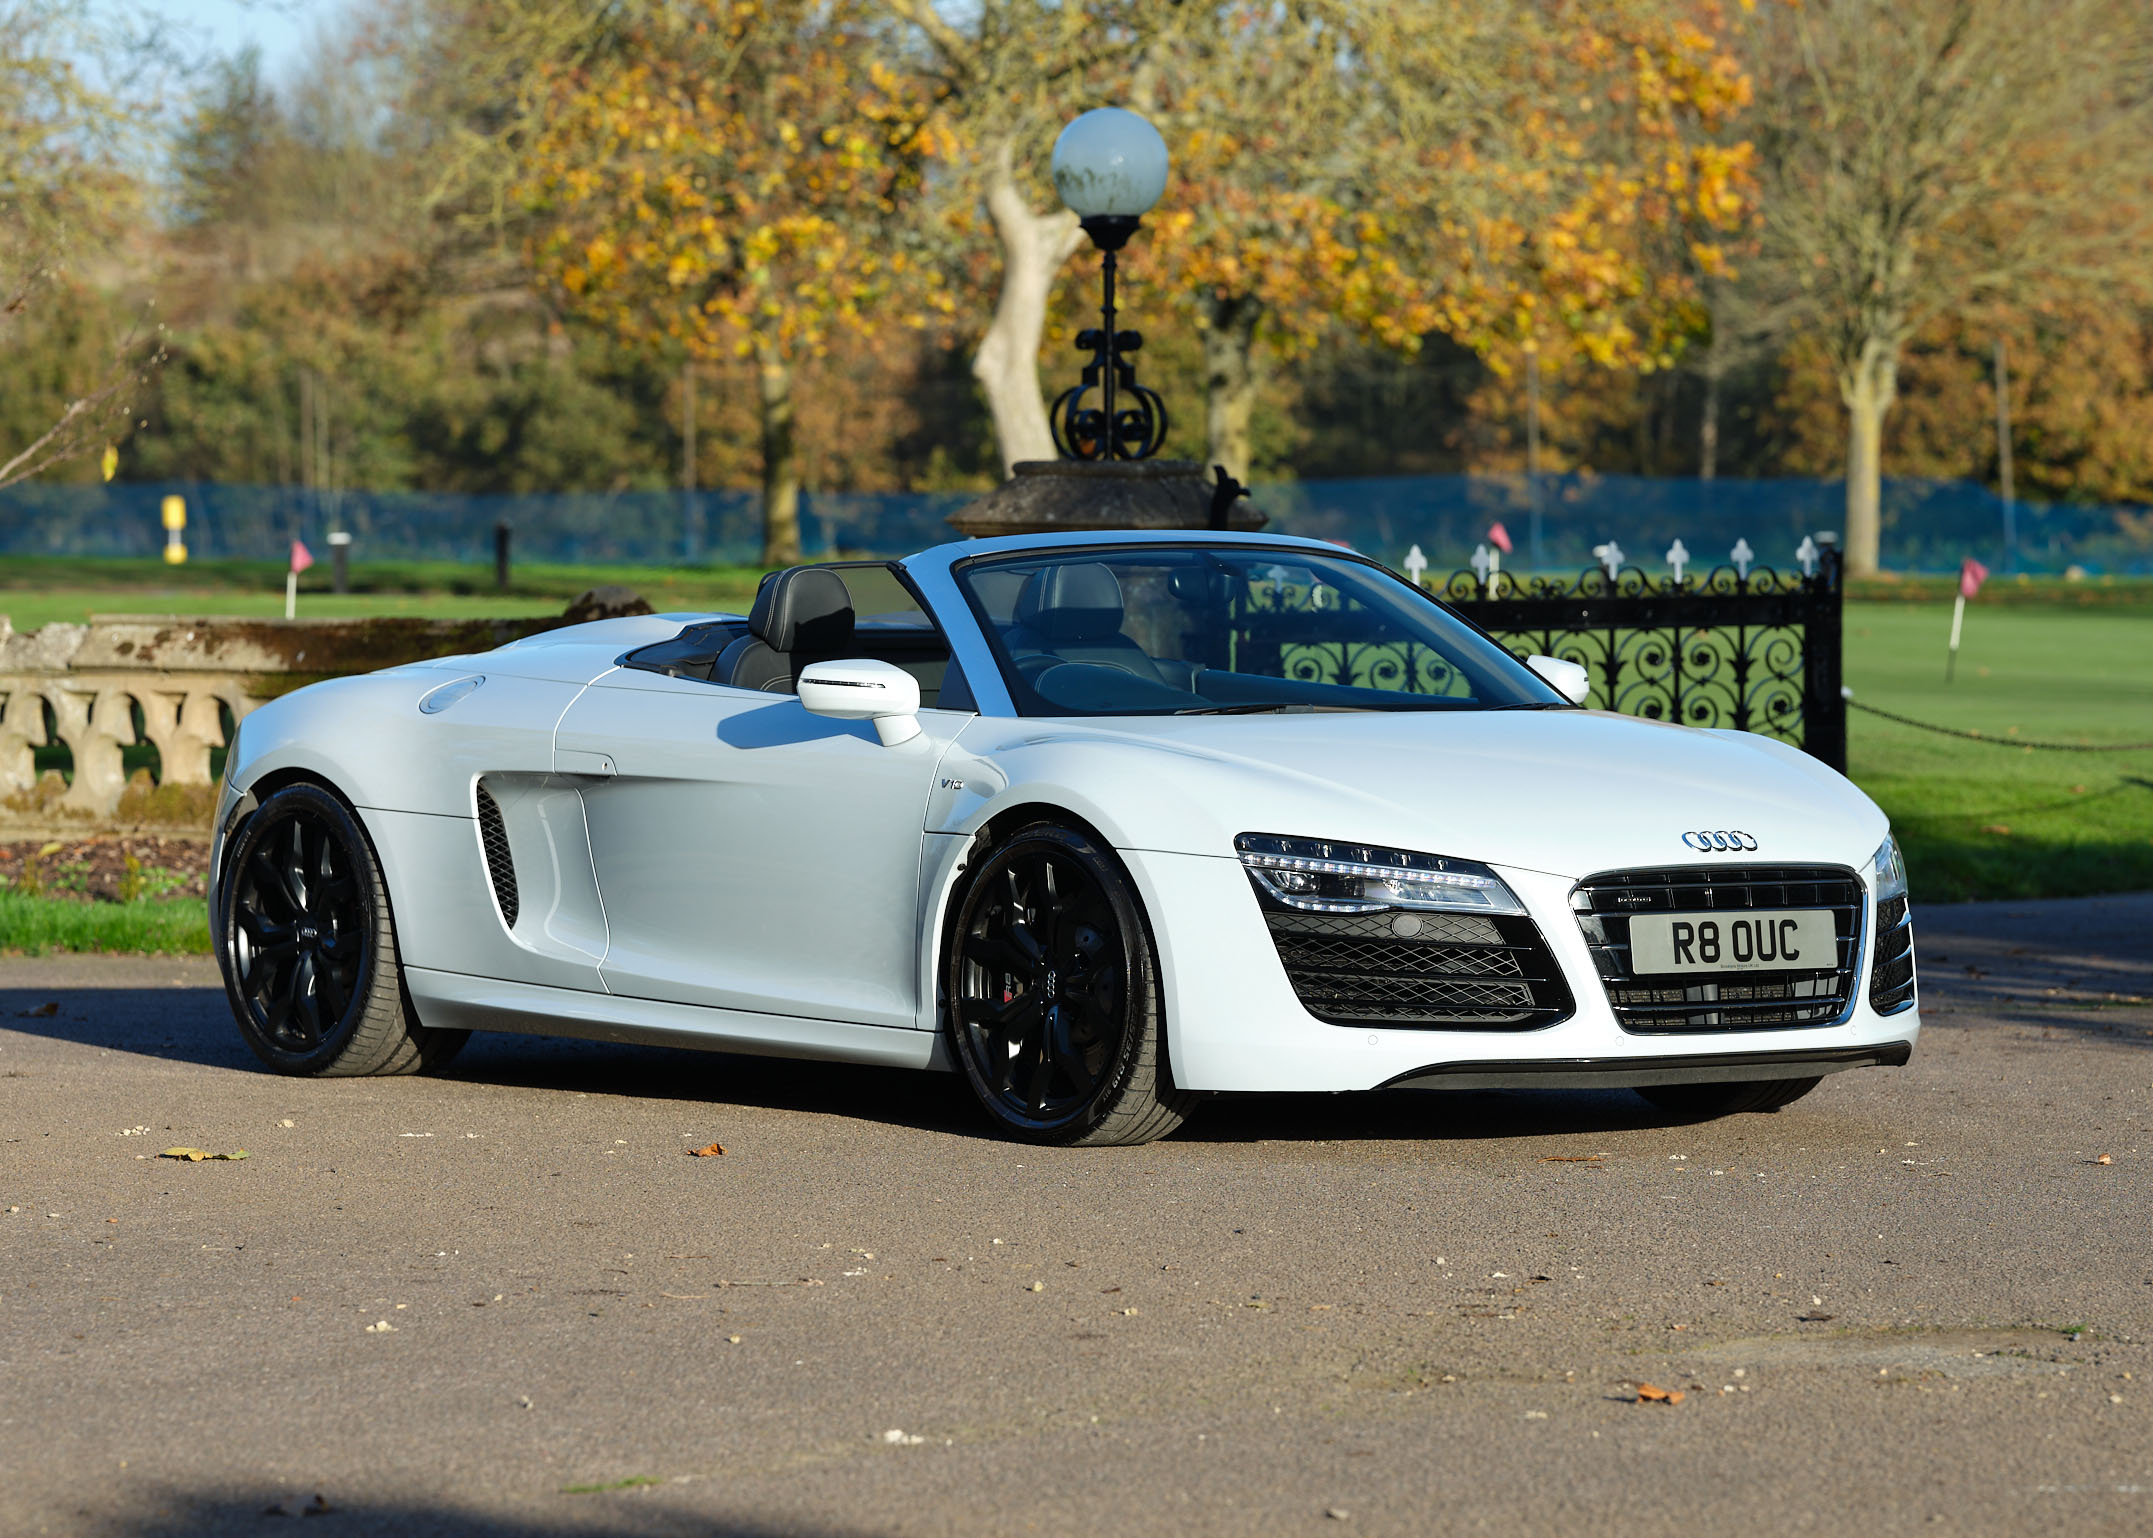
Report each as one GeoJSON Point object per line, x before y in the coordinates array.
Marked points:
{"type": "Point", "coordinates": [1570, 679]}
{"type": "Point", "coordinates": [865, 690]}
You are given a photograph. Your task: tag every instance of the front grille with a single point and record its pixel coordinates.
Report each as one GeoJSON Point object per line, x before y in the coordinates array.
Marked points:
{"type": "Point", "coordinates": [500, 869]}
{"type": "Point", "coordinates": [1891, 974]}
{"type": "Point", "coordinates": [1431, 971]}
{"type": "Point", "coordinates": [1731, 1001]}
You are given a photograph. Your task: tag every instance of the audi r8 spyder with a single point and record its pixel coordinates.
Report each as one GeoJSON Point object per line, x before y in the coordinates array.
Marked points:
{"type": "Point", "coordinates": [1106, 823]}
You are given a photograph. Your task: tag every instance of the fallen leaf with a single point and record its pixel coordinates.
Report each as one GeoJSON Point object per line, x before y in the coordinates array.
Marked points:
{"type": "Point", "coordinates": [197, 1155]}
{"type": "Point", "coordinates": [381, 1327]}
{"type": "Point", "coordinates": [708, 1151]}
{"type": "Point", "coordinates": [43, 1011]}
{"type": "Point", "coordinates": [2104, 1159]}
{"type": "Point", "coordinates": [1648, 1394]}
{"type": "Point", "coordinates": [1995, 827]}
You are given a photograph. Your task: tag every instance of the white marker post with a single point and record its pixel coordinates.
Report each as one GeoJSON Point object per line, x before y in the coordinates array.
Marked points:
{"type": "Point", "coordinates": [1416, 566]}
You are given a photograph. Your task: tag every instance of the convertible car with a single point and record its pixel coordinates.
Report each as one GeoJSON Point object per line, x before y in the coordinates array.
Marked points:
{"type": "Point", "coordinates": [1106, 823]}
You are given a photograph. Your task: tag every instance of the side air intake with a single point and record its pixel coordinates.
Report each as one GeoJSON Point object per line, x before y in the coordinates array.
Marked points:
{"type": "Point", "coordinates": [500, 869]}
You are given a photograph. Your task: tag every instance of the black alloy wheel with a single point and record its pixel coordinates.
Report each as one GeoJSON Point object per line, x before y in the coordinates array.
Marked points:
{"type": "Point", "coordinates": [1053, 995]}
{"type": "Point", "coordinates": [308, 947]}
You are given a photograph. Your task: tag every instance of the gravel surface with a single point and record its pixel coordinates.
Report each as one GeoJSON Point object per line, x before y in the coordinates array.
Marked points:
{"type": "Point", "coordinates": [506, 1302]}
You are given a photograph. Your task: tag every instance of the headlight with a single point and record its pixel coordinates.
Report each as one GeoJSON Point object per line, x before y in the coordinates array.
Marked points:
{"type": "Point", "coordinates": [1890, 870]}
{"type": "Point", "coordinates": [1321, 877]}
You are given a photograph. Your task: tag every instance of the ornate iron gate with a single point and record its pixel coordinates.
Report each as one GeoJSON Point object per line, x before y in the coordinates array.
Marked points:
{"type": "Point", "coordinates": [1744, 646]}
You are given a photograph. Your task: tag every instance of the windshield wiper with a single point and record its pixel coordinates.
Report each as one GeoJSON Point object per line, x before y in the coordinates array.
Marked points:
{"type": "Point", "coordinates": [1245, 710]}
{"type": "Point", "coordinates": [1538, 705]}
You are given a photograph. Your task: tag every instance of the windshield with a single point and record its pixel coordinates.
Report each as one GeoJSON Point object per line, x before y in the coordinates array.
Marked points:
{"type": "Point", "coordinates": [1154, 630]}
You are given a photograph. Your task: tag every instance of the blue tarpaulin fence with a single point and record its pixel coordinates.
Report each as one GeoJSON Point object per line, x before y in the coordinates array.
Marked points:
{"type": "Point", "coordinates": [1928, 525]}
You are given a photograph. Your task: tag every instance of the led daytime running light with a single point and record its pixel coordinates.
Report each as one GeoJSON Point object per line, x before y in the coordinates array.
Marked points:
{"type": "Point", "coordinates": [1369, 872]}
{"type": "Point", "coordinates": [1381, 879]}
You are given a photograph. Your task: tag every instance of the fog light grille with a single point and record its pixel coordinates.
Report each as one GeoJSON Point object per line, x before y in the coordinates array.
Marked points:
{"type": "Point", "coordinates": [1421, 971]}
{"type": "Point", "coordinates": [500, 869]}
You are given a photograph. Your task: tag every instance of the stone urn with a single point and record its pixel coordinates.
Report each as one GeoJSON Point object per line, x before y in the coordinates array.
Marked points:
{"type": "Point", "coordinates": [1055, 496]}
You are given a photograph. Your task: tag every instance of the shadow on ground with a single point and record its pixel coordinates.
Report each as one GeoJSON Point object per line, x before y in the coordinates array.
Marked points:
{"type": "Point", "coordinates": [626, 1513]}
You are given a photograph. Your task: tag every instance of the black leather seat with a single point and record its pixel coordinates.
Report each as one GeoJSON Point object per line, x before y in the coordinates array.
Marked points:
{"type": "Point", "coordinates": [1074, 614]}
{"type": "Point", "coordinates": [801, 616]}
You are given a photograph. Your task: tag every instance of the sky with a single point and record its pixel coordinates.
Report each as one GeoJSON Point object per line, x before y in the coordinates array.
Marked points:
{"type": "Point", "coordinates": [281, 28]}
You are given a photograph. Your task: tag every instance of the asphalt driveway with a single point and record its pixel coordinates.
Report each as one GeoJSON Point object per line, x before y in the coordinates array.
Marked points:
{"type": "Point", "coordinates": [507, 1301]}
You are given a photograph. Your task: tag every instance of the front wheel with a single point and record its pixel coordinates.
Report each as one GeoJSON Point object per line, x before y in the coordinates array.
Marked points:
{"type": "Point", "coordinates": [1053, 995]}
{"type": "Point", "coordinates": [1704, 1101]}
{"type": "Point", "coordinates": [309, 949]}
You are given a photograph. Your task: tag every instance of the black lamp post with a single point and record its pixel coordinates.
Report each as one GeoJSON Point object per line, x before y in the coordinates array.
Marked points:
{"type": "Point", "coordinates": [1110, 168]}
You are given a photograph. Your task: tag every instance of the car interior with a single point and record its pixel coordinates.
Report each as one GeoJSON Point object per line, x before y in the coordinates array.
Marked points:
{"type": "Point", "coordinates": [809, 614]}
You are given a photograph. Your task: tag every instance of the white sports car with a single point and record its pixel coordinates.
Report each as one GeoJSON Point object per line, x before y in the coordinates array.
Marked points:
{"type": "Point", "coordinates": [1108, 823]}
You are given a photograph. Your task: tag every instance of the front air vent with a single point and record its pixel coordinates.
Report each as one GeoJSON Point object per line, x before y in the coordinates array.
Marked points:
{"type": "Point", "coordinates": [1891, 974]}
{"type": "Point", "coordinates": [500, 869]}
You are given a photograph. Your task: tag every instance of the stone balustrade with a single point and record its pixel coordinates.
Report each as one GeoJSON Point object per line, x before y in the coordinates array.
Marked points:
{"type": "Point", "coordinates": [186, 681]}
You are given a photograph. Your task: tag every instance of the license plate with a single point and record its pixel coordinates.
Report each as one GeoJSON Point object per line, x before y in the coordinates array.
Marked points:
{"type": "Point", "coordinates": [1796, 940]}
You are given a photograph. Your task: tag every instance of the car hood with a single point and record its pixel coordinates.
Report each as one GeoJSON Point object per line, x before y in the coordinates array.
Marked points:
{"type": "Point", "coordinates": [1567, 792]}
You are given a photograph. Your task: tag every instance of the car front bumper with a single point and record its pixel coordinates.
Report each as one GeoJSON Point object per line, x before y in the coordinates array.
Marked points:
{"type": "Point", "coordinates": [1234, 1023]}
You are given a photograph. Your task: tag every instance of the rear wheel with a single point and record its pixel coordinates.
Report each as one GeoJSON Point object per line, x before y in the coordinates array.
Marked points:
{"type": "Point", "coordinates": [1707, 1100]}
{"type": "Point", "coordinates": [308, 946]}
{"type": "Point", "coordinates": [1053, 995]}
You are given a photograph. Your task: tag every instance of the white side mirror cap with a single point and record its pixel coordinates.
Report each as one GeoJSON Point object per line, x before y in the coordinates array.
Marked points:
{"type": "Point", "coordinates": [1570, 679]}
{"type": "Point", "coordinates": [865, 690]}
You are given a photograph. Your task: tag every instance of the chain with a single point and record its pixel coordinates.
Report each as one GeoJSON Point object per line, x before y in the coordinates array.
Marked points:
{"type": "Point", "coordinates": [2009, 742]}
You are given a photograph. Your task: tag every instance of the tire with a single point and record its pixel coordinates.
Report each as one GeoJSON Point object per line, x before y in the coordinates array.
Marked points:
{"type": "Point", "coordinates": [1052, 988]}
{"type": "Point", "coordinates": [308, 946]}
{"type": "Point", "coordinates": [1708, 1100]}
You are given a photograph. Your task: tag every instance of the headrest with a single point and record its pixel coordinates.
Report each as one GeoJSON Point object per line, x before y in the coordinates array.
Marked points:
{"type": "Point", "coordinates": [1071, 603]}
{"type": "Point", "coordinates": [804, 609]}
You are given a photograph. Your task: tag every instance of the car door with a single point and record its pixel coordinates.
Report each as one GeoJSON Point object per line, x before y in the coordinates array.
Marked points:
{"type": "Point", "coordinates": [751, 855]}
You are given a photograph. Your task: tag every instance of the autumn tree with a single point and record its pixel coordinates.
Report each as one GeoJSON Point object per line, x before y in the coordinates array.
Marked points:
{"type": "Point", "coordinates": [61, 198]}
{"type": "Point", "coordinates": [732, 184]}
{"type": "Point", "coordinates": [1920, 156]}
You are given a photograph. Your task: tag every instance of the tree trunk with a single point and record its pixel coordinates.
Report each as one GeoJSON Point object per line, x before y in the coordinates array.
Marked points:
{"type": "Point", "coordinates": [1708, 425]}
{"type": "Point", "coordinates": [781, 460]}
{"type": "Point", "coordinates": [1230, 378]}
{"type": "Point", "coordinates": [1868, 386]}
{"type": "Point", "coordinates": [1034, 246]}
{"type": "Point", "coordinates": [1715, 370]}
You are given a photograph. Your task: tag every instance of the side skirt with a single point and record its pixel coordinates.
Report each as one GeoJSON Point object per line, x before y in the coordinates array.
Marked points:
{"type": "Point", "coordinates": [1630, 1072]}
{"type": "Point", "coordinates": [455, 1001]}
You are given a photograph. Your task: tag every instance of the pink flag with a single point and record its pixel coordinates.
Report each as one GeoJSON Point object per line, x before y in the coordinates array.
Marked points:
{"type": "Point", "coordinates": [1499, 537]}
{"type": "Point", "coordinates": [1971, 575]}
{"type": "Point", "coordinates": [301, 560]}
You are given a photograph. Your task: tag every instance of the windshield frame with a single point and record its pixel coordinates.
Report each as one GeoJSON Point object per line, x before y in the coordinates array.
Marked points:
{"type": "Point", "coordinates": [1022, 698]}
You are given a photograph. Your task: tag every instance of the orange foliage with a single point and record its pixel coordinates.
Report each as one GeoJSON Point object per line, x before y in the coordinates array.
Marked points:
{"type": "Point", "coordinates": [727, 186]}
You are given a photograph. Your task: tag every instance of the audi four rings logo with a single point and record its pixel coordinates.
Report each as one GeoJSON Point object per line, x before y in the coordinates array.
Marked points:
{"type": "Point", "coordinates": [1723, 839]}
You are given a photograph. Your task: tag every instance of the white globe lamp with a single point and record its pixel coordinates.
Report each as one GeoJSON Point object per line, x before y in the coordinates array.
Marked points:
{"type": "Point", "coordinates": [1110, 168]}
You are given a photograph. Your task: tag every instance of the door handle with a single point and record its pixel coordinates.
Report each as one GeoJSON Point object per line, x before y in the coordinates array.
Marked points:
{"type": "Point", "coordinates": [569, 761]}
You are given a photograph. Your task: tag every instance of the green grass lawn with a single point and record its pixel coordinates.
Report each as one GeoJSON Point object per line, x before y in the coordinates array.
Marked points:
{"type": "Point", "coordinates": [1981, 820]}
{"type": "Point", "coordinates": [36, 590]}
{"type": "Point", "coordinates": [176, 926]}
